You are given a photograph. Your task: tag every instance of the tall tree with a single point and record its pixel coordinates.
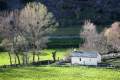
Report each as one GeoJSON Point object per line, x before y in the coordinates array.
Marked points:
{"type": "Point", "coordinates": [36, 22]}
{"type": "Point", "coordinates": [113, 35]}
{"type": "Point", "coordinates": [106, 42]}
{"type": "Point", "coordinates": [89, 35]}
{"type": "Point", "coordinates": [10, 31]}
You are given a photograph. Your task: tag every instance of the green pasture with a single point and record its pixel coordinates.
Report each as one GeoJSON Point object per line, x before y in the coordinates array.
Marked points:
{"type": "Point", "coordinates": [45, 55]}
{"type": "Point", "coordinates": [59, 73]}
{"type": "Point", "coordinates": [50, 72]}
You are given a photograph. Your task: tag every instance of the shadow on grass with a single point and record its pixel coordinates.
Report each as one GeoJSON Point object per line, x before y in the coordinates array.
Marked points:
{"type": "Point", "coordinates": [39, 63]}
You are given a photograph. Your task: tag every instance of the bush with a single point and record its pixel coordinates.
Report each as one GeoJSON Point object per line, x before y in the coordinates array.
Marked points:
{"type": "Point", "coordinates": [64, 42]}
{"type": "Point", "coordinates": [2, 49]}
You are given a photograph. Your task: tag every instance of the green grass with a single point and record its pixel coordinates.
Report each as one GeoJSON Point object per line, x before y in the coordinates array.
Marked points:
{"type": "Point", "coordinates": [4, 58]}
{"type": "Point", "coordinates": [46, 55]}
{"type": "Point", "coordinates": [59, 73]}
{"type": "Point", "coordinates": [55, 73]}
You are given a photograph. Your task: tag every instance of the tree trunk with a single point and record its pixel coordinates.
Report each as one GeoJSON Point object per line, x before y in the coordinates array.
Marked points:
{"type": "Point", "coordinates": [34, 50]}
{"type": "Point", "coordinates": [15, 60]}
{"type": "Point", "coordinates": [38, 58]}
{"type": "Point", "coordinates": [54, 58]}
{"type": "Point", "coordinates": [18, 58]}
{"type": "Point", "coordinates": [33, 56]}
{"type": "Point", "coordinates": [25, 59]}
{"type": "Point", "coordinates": [10, 58]}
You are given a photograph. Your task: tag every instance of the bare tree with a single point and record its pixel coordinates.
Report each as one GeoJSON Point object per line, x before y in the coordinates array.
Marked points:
{"type": "Point", "coordinates": [7, 45]}
{"type": "Point", "coordinates": [89, 35]}
{"type": "Point", "coordinates": [105, 43]}
{"type": "Point", "coordinates": [113, 35]}
{"type": "Point", "coordinates": [22, 49]}
{"type": "Point", "coordinates": [10, 31]}
{"type": "Point", "coordinates": [6, 42]}
{"type": "Point", "coordinates": [102, 45]}
{"type": "Point", "coordinates": [36, 22]}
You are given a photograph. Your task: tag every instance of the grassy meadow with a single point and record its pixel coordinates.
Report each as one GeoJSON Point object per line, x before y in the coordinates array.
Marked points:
{"type": "Point", "coordinates": [52, 72]}
{"type": "Point", "coordinates": [59, 73]}
{"type": "Point", "coordinates": [45, 55]}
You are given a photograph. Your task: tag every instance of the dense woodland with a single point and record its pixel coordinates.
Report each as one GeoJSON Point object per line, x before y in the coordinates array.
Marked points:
{"type": "Point", "coordinates": [71, 15]}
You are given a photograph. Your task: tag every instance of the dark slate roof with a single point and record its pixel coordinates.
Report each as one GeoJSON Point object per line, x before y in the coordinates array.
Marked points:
{"type": "Point", "coordinates": [88, 54]}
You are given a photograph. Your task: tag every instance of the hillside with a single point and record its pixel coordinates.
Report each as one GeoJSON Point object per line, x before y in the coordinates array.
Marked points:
{"type": "Point", "coordinates": [72, 13]}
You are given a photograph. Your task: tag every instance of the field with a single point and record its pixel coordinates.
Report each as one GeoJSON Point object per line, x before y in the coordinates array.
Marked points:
{"type": "Point", "coordinates": [46, 55]}
{"type": "Point", "coordinates": [52, 72]}
{"type": "Point", "coordinates": [59, 73]}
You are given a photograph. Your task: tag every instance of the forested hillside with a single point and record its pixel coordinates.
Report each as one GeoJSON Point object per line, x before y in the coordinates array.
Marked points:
{"type": "Point", "coordinates": [72, 13]}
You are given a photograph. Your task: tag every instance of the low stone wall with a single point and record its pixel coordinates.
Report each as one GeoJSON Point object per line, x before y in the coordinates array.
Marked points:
{"type": "Point", "coordinates": [109, 56]}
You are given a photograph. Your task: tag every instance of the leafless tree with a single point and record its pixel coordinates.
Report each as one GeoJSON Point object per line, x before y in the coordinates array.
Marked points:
{"type": "Point", "coordinates": [105, 42]}
{"type": "Point", "coordinates": [7, 45]}
{"type": "Point", "coordinates": [10, 32]}
{"type": "Point", "coordinates": [4, 33]}
{"type": "Point", "coordinates": [102, 45]}
{"type": "Point", "coordinates": [113, 35]}
{"type": "Point", "coordinates": [89, 35]}
{"type": "Point", "coordinates": [36, 22]}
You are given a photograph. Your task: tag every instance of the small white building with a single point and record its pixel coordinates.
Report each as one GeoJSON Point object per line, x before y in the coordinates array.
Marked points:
{"type": "Point", "coordinates": [85, 57]}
